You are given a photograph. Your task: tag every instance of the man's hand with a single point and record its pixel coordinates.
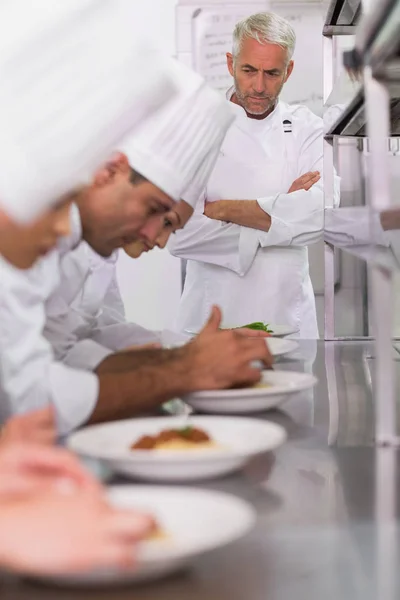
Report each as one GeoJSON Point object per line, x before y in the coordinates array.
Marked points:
{"type": "Point", "coordinates": [48, 533]}
{"type": "Point", "coordinates": [27, 468]}
{"type": "Point", "coordinates": [36, 427]}
{"type": "Point", "coordinates": [219, 359]}
{"type": "Point", "coordinates": [305, 182]}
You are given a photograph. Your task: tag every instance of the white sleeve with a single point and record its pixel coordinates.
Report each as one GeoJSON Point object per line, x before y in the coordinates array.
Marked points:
{"type": "Point", "coordinates": [215, 242]}
{"type": "Point", "coordinates": [298, 218]}
{"type": "Point", "coordinates": [65, 329]}
{"type": "Point", "coordinates": [354, 226]}
{"type": "Point", "coordinates": [29, 375]}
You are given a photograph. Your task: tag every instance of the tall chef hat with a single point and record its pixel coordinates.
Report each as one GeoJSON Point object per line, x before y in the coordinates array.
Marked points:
{"type": "Point", "coordinates": [73, 83]}
{"type": "Point", "coordinates": [177, 149]}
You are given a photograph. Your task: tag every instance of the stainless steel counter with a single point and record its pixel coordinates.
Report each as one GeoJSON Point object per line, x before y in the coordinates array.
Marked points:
{"type": "Point", "coordinates": [325, 510]}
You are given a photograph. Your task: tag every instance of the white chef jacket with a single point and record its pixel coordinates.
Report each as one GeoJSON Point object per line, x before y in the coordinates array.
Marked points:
{"type": "Point", "coordinates": [85, 316]}
{"type": "Point", "coordinates": [253, 275]}
{"type": "Point", "coordinates": [29, 375]}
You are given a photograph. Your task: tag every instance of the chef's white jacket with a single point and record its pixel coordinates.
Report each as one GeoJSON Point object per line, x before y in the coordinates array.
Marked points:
{"type": "Point", "coordinates": [85, 315]}
{"type": "Point", "coordinates": [251, 274]}
{"type": "Point", "coordinates": [30, 377]}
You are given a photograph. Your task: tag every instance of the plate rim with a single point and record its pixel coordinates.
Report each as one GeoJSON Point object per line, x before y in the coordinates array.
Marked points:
{"type": "Point", "coordinates": [236, 394]}
{"type": "Point", "coordinates": [291, 330]}
{"type": "Point", "coordinates": [149, 457]}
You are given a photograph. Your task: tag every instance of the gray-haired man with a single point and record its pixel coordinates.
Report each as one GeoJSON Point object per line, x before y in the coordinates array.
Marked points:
{"type": "Point", "coordinates": [247, 243]}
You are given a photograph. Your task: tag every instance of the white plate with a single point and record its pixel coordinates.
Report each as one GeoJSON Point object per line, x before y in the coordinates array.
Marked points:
{"type": "Point", "coordinates": [195, 521]}
{"type": "Point", "coordinates": [248, 400]}
{"type": "Point", "coordinates": [238, 440]}
{"type": "Point", "coordinates": [277, 330]}
{"type": "Point", "coordinates": [279, 347]}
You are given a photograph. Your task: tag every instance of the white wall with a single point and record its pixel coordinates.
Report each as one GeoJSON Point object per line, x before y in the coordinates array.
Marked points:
{"type": "Point", "coordinates": [151, 285]}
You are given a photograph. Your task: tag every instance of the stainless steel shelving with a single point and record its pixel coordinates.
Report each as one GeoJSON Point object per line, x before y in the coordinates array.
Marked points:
{"type": "Point", "coordinates": [374, 113]}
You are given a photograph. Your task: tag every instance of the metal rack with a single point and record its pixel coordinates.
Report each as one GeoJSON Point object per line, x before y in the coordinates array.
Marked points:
{"type": "Point", "coordinates": [341, 19]}
{"type": "Point", "coordinates": [373, 112]}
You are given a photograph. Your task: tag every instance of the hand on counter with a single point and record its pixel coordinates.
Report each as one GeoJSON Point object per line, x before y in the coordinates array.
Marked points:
{"type": "Point", "coordinates": [34, 427]}
{"type": "Point", "coordinates": [49, 533]}
{"type": "Point", "coordinates": [27, 468]}
{"type": "Point", "coordinates": [222, 358]}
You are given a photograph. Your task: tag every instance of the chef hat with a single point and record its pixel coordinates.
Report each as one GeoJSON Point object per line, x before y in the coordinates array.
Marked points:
{"type": "Point", "coordinates": [179, 146]}
{"type": "Point", "coordinates": [73, 83]}
{"type": "Point", "coordinates": [197, 185]}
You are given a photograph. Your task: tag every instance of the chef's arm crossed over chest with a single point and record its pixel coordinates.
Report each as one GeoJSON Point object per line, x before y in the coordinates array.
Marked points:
{"type": "Point", "coordinates": [220, 229]}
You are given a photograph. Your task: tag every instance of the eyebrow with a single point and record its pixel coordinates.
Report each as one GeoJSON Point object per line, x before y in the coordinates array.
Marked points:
{"type": "Point", "coordinates": [270, 71]}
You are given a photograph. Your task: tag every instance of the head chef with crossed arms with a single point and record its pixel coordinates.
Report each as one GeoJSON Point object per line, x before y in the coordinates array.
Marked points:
{"type": "Point", "coordinates": [247, 243]}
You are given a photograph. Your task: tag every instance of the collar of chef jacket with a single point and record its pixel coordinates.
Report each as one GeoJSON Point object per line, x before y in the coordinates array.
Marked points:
{"type": "Point", "coordinates": [70, 242]}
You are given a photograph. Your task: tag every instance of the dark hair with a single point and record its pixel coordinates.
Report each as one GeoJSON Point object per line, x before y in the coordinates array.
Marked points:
{"type": "Point", "coordinates": [135, 178]}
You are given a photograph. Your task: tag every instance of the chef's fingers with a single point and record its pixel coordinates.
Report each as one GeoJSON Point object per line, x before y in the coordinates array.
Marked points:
{"type": "Point", "coordinates": [129, 525]}
{"type": "Point", "coordinates": [252, 333]}
{"type": "Point", "coordinates": [311, 182]}
{"type": "Point", "coordinates": [115, 555]}
{"type": "Point", "coordinates": [255, 349]}
{"type": "Point", "coordinates": [248, 375]}
{"type": "Point", "coordinates": [34, 458]}
{"type": "Point", "coordinates": [214, 321]}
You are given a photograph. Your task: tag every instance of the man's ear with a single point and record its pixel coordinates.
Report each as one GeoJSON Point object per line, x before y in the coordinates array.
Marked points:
{"type": "Point", "coordinates": [103, 176]}
{"type": "Point", "coordinates": [229, 62]}
{"type": "Point", "coordinates": [289, 70]}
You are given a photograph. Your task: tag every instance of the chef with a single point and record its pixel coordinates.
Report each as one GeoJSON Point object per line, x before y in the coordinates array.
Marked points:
{"type": "Point", "coordinates": [123, 384]}
{"type": "Point", "coordinates": [87, 306]}
{"type": "Point", "coordinates": [39, 179]}
{"type": "Point", "coordinates": [246, 244]}
{"type": "Point", "coordinates": [86, 316]}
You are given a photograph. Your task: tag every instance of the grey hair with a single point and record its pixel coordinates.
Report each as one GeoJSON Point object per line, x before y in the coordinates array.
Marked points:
{"type": "Point", "coordinates": [265, 27]}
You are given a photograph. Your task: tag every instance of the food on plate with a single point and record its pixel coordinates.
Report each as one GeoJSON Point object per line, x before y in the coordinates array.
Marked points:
{"type": "Point", "coordinates": [258, 326]}
{"type": "Point", "coordinates": [186, 438]}
{"type": "Point", "coordinates": [157, 534]}
{"type": "Point", "coordinates": [260, 384]}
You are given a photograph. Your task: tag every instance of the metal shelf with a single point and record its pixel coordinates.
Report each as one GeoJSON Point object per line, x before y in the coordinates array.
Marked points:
{"type": "Point", "coordinates": [377, 30]}
{"type": "Point", "coordinates": [343, 91]}
{"type": "Point", "coordinates": [343, 12]}
{"type": "Point", "coordinates": [352, 122]}
{"type": "Point", "coordinates": [374, 256]}
{"type": "Point", "coordinates": [331, 30]}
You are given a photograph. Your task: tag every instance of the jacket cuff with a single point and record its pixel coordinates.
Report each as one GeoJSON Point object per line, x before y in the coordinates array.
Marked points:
{"type": "Point", "coordinates": [279, 233]}
{"type": "Point", "coordinates": [76, 397]}
{"type": "Point", "coordinates": [87, 355]}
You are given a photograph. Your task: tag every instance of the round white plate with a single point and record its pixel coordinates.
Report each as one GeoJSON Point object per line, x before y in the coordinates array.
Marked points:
{"type": "Point", "coordinates": [194, 521]}
{"type": "Point", "coordinates": [247, 400]}
{"type": "Point", "coordinates": [238, 441]}
{"type": "Point", "coordinates": [277, 330]}
{"type": "Point", "coordinates": [279, 347]}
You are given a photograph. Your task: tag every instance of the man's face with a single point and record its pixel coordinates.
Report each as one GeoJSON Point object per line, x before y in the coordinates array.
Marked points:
{"type": "Point", "coordinates": [175, 219]}
{"type": "Point", "coordinates": [116, 211]}
{"type": "Point", "coordinates": [259, 72]}
{"type": "Point", "coordinates": [23, 245]}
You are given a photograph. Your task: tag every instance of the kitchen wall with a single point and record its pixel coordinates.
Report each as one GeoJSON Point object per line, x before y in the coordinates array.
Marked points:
{"type": "Point", "coordinates": [151, 285]}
